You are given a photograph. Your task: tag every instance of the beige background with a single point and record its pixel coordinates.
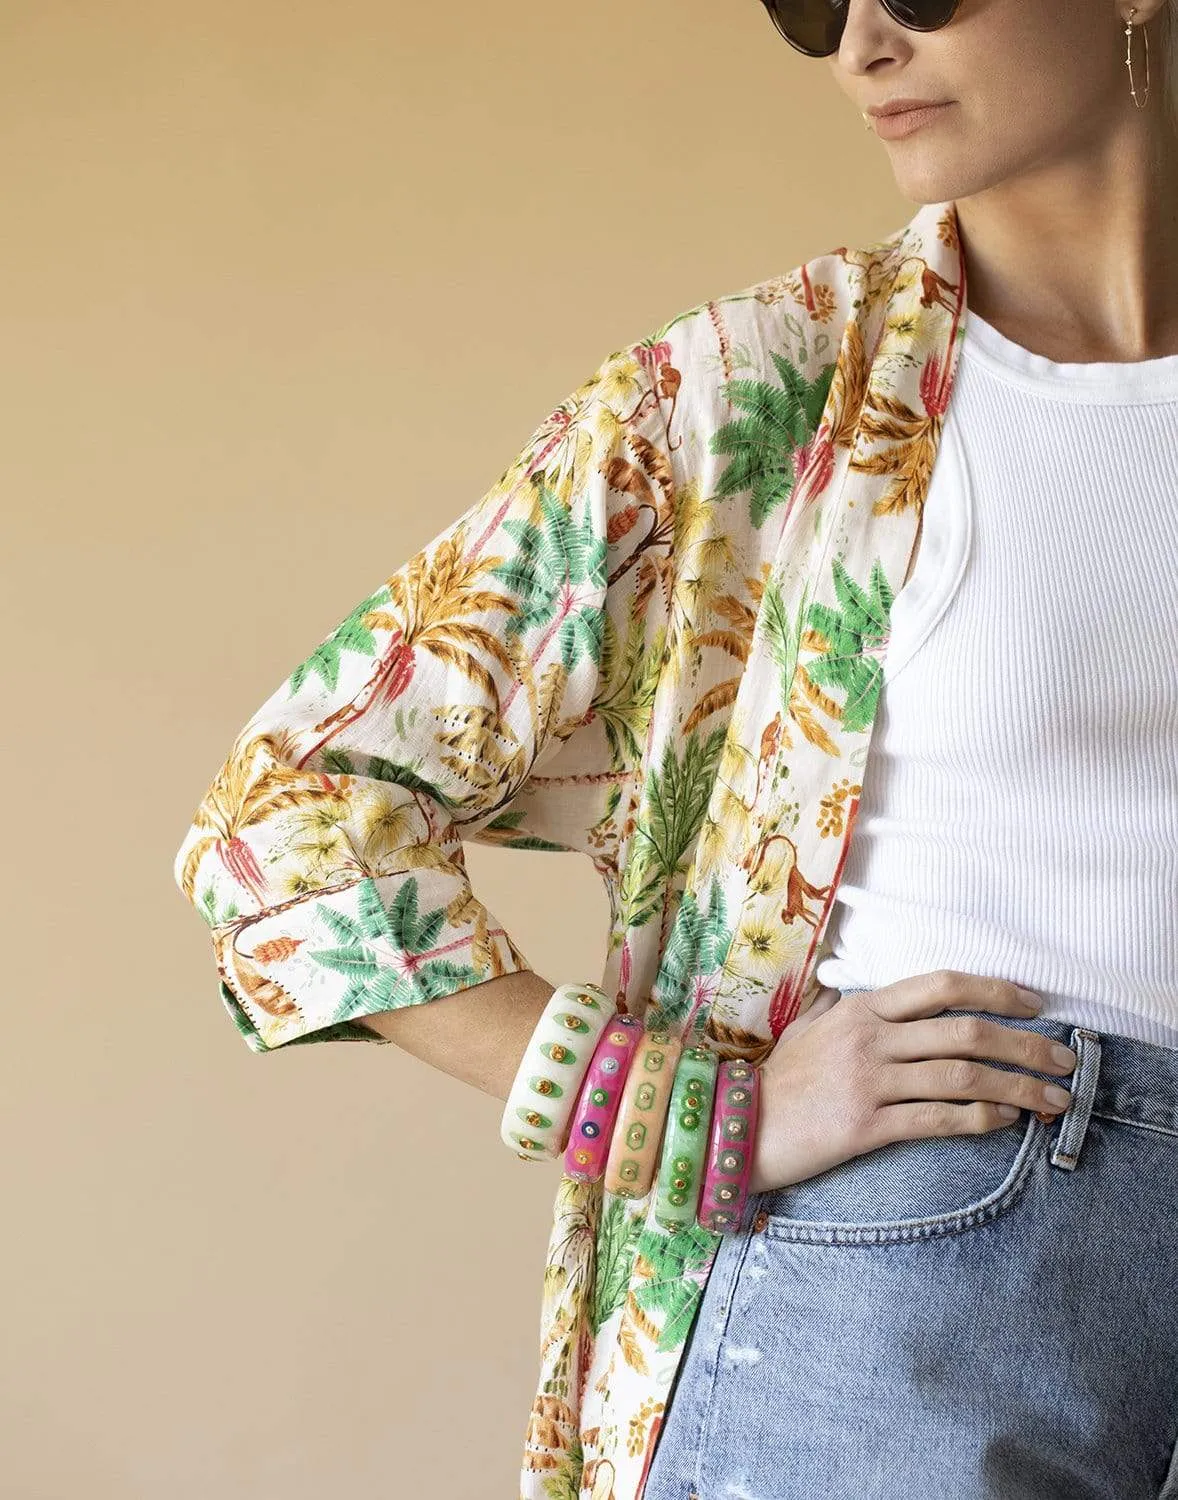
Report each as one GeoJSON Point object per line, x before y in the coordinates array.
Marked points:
{"type": "Point", "coordinates": [284, 288]}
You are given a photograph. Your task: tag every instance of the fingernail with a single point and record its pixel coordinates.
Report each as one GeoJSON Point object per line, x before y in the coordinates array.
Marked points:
{"type": "Point", "coordinates": [1030, 998]}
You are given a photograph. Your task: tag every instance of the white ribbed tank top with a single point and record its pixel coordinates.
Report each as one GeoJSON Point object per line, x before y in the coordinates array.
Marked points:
{"type": "Point", "coordinates": [1019, 811]}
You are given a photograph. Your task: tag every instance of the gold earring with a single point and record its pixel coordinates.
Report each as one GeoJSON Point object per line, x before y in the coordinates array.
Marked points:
{"type": "Point", "coordinates": [1129, 59]}
{"type": "Point", "coordinates": [866, 119]}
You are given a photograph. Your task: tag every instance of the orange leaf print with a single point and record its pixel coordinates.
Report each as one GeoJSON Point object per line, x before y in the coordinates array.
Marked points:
{"type": "Point", "coordinates": [630, 1348]}
{"type": "Point", "coordinates": [653, 460]}
{"type": "Point", "coordinates": [277, 950]}
{"type": "Point", "coordinates": [622, 475]}
{"type": "Point", "coordinates": [641, 1322]}
{"type": "Point", "coordinates": [849, 389]}
{"type": "Point", "coordinates": [241, 976]}
{"type": "Point", "coordinates": [620, 524]}
{"type": "Point", "coordinates": [552, 1430]}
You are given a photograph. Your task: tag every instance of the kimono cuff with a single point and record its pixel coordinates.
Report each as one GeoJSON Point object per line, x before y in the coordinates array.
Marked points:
{"type": "Point", "coordinates": [308, 970]}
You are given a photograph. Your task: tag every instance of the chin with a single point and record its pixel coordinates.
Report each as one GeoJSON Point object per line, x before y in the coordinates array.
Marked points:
{"type": "Point", "coordinates": [936, 180]}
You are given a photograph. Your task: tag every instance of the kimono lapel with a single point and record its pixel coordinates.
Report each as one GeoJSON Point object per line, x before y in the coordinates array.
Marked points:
{"type": "Point", "coordinates": [804, 712]}
{"type": "Point", "coordinates": [621, 1292]}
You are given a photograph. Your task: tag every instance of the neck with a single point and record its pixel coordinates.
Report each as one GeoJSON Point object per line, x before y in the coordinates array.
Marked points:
{"type": "Point", "coordinates": [1075, 256]}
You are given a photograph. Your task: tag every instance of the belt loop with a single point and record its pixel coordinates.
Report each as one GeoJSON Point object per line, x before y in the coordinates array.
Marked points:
{"type": "Point", "coordinates": [1074, 1120]}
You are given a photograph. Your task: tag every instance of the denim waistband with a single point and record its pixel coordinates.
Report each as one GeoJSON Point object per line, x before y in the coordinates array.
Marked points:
{"type": "Point", "coordinates": [1135, 1081]}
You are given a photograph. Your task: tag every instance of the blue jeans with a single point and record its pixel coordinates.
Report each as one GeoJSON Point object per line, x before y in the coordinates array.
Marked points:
{"type": "Point", "coordinates": [980, 1317]}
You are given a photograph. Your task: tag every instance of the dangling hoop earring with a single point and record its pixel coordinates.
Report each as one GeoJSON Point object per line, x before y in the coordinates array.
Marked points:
{"type": "Point", "coordinates": [1129, 60]}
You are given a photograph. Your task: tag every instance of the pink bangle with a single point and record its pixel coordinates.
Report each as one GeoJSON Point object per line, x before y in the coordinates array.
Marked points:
{"type": "Point", "coordinates": [597, 1103]}
{"type": "Point", "coordinates": [730, 1146]}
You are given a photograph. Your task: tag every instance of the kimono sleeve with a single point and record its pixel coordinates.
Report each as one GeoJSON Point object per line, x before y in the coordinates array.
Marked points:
{"type": "Point", "coordinates": [326, 855]}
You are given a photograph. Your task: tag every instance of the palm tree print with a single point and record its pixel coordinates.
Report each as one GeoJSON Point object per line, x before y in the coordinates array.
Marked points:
{"type": "Point", "coordinates": [630, 671]}
{"type": "Point", "coordinates": [430, 604]}
{"type": "Point", "coordinates": [735, 638]}
{"type": "Point", "coordinates": [695, 952]}
{"type": "Point", "coordinates": [850, 642]}
{"type": "Point", "coordinates": [556, 575]}
{"type": "Point", "coordinates": [387, 953]}
{"type": "Point", "coordinates": [771, 443]}
{"type": "Point", "coordinates": [669, 1259]}
{"type": "Point", "coordinates": [674, 804]}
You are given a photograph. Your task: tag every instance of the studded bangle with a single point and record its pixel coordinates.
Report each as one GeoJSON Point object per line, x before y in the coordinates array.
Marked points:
{"type": "Point", "coordinates": [685, 1140]}
{"type": "Point", "coordinates": [597, 1104]}
{"type": "Point", "coordinates": [730, 1146]}
{"type": "Point", "coordinates": [638, 1129]}
{"type": "Point", "coordinates": [555, 1062]}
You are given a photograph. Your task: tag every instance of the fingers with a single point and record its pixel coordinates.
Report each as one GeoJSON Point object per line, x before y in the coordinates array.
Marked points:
{"type": "Point", "coordinates": [922, 995]}
{"type": "Point", "coordinates": [937, 1117]}
{"type": "Point", "coordinates": [976, 1036]}
{"type": "Point", "coordinates": [968, 1080]}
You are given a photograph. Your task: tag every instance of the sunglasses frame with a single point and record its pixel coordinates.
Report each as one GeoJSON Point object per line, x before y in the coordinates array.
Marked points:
{"type": "Point", "coordinates": [889, 5]}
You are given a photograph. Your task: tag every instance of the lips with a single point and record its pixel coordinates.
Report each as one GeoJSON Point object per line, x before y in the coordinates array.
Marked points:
{"type": "Point", "coordinates": [899, 106]}
{"type": "Point", "coordinates": [899, 119]}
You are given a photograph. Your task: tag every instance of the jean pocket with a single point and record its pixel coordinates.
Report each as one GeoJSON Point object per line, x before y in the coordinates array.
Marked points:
{"type": "Point", "coordinates": [910, 1189]}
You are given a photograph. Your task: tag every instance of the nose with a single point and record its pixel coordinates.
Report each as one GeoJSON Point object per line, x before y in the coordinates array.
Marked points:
{"type": "Point", "coordinates": [871, 38]}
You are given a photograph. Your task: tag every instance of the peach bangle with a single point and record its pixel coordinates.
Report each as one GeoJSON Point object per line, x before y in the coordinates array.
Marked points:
{"type": "Point", "coordinates": [597, 1103]}
{"type": "Point", "coordinates": [637, 1135]}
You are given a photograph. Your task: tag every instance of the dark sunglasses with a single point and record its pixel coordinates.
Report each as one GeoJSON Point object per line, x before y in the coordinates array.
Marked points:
{"type": "Point", "coordinates": [815, 27]}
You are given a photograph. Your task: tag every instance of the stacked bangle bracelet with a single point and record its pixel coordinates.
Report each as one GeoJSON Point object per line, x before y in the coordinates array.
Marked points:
{"type": "Point", "coordinates": [601, 1093]}
{"type": "Point", "coordinates": [638, 1130]}
{"type": "Point", "coordinates": [730, 1146]}
{"type": "Point", "coordinates": [552, 1069]}
{"type": "Point", "coordinates": [707, 1154]}
{"type": "Point", "coordinates": [686, 1138]}
{"type": "Point", "coordinates": [637, 1107]}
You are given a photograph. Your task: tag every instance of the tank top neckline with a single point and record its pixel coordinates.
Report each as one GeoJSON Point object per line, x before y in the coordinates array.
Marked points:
{"type": "Point", "coordinates": [1117, 382]}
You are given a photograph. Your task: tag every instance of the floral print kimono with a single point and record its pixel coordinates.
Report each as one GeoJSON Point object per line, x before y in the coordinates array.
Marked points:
{"type": "Point", "coordinates": [657, 640]}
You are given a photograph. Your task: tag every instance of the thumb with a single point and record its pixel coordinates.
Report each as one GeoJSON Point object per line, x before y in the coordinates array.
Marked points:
{"type": "Point", "coordinates": [826, 998]}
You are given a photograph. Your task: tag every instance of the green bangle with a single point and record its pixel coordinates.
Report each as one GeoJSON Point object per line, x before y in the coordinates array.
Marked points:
{"type": "Point", "coordinates": [686, 1136]}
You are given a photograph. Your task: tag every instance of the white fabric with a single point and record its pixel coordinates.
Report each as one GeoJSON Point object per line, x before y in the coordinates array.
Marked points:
{"type": "Point", "coordinates": [1007, 814]}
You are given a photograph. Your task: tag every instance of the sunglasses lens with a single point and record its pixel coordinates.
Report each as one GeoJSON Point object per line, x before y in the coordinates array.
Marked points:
{"type": "Point", "coordinates": [816, 26]}
{"type": "Point", "coordinates": [922, 15]}
{"type": "Point", "coordinates": [812, 26]}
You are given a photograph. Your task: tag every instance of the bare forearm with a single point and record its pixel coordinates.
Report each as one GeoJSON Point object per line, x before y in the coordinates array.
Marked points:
{"type": "Point", "coordinates": [477, 1035]}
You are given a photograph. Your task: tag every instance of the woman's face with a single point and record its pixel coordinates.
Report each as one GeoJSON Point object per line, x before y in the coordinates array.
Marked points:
{"type": "Point", "coordinates": [1030, 85]}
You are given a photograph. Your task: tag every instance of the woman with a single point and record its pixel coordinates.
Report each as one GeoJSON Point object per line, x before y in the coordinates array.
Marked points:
{"type": "Point", "coordinates": [661, 639]}
{"type": "Point", "coordinates": [973, 1328]}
